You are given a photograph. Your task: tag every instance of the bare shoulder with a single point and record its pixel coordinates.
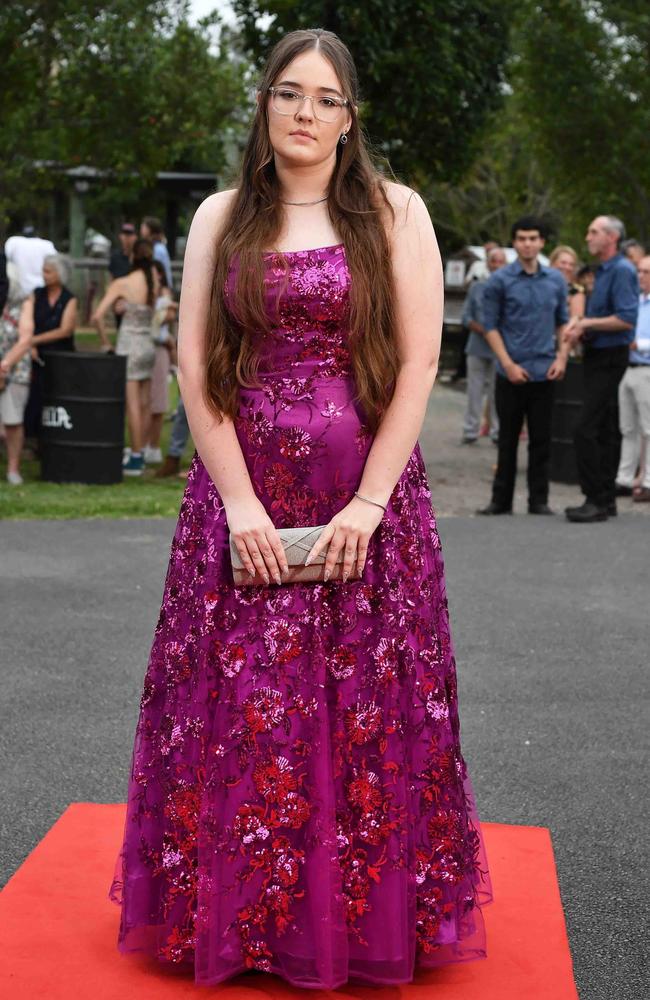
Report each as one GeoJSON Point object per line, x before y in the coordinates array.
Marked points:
{"type": "Point", "coordinates": [410, 212]}
{"type": "Point", "coordinates": [207, 225]}
{"type": "Point", "coordinates": [213, 210]}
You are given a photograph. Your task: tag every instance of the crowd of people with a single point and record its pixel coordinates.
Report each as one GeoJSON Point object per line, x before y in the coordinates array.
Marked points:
{"type": "Point", "coordinates": [523, 321]}
{"type": "Point", "coordinates": [39, 315]}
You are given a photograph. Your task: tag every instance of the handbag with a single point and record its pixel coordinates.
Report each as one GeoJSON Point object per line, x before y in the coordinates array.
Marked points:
{"type": "Point", "coordinates": [297, 543]}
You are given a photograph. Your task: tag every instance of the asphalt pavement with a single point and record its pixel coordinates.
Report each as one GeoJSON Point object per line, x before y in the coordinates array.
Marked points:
{"type": "Point", "coordinates": [550, 622]}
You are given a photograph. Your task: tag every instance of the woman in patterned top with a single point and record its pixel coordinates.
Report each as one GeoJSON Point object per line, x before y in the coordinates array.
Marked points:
{"type": "Point", "coordinates": [15, 372]}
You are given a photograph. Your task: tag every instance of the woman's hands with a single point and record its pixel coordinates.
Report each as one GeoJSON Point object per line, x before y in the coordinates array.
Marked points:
{"type": "Point", "coordinates": [260, 548]}
{"type": "Point", "coordinates": [350, 531]}
{"type": "Point", "coordinates": [257, 540]}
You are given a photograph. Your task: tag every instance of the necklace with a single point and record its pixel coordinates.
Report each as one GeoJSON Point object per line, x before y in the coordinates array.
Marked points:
{"type": "Point", "coordinates": [317, 202]}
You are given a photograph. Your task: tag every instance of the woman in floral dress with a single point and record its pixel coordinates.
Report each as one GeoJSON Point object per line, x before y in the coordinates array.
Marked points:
{"type": "Point", "coordinates": [298, 800]}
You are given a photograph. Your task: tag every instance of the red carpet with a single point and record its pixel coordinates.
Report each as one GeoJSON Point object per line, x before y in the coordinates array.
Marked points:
{"type": "Point", "coordinates": [58, 929]}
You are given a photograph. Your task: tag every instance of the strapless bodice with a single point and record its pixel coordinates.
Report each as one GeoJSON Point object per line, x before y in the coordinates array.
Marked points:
{"type": "Point", "coordinates": [307, 303]}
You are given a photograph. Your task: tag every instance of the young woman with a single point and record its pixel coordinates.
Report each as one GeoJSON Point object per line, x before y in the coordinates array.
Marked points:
{"type": "Point", "coordinates": [298, 800]}
{"type": "Point", "coordinates": [138, 292]}
{"type": "Point", "coordinates": [164, 314]}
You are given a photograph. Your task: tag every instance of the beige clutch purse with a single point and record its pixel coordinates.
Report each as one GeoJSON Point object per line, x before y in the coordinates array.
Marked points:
{"type": "Point", "coordinates": [297, 543]}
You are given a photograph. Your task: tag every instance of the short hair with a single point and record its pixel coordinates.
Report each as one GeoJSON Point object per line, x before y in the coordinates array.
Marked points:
{"type": "Point", "coordinates": [526, 223]}
{"type": "Point", "coordinates": [154, 225]}
{"type": "Point", "coordinates": [563, 248]}
{"type": "Point", "coordinates": [62, 265]}
{"type": "Point", "coordinates": [631, 244]}
{"type": "Point", "coordinates": [585, 269]}
{"type": "Point", "coordinates": [614, 225]}
{"type": "Point", "coordinates": [498, 250]}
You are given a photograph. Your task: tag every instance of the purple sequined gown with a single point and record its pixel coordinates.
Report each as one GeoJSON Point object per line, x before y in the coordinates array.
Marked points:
{"type": "Point", "coordinates": [298, 800]}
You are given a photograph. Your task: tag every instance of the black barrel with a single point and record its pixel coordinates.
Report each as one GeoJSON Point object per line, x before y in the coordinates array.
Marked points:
{"type": "Point", "coordinates": [82, 423]}
{"type": "Point", "coordinates": [566, 413]}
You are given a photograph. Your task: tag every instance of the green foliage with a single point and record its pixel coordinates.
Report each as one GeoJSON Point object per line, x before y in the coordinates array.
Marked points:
{"type": "Point", "coordinates": [430, 73]}
{"type": "Point", "coordinates": [128, 86]}
{"type": "Point", "coordinates": [490, 108]}
{"type": "Point", "coordinates": [582, 79]}
{"type": "Point", "coordinates": [569, 142]}
{"type": "Point", "coordinates": [504, 181]}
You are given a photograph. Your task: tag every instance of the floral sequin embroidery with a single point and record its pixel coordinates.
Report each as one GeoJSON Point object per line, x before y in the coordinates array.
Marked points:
{"type": "Point", "coordinates": [297, 771]}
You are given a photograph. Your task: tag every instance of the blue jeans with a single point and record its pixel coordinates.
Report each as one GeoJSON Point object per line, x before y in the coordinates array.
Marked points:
{"type": "Point", "coordinates": [180, 432]}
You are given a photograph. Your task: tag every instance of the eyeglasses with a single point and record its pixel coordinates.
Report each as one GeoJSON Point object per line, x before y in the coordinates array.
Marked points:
{"type": "Point", "coordinates": [286, 101]}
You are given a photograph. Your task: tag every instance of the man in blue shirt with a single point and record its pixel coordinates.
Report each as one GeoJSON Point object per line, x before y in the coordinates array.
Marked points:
{"type": "Point", "coordinates": [634, 401]}
{"type": "Point", "coordinates": [525, 311]}
{"type": "Point", "coordinates": [607, 330]}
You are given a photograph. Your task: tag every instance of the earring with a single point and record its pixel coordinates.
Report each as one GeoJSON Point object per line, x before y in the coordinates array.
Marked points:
{"type": "Point", "coordinates": [344, 138]}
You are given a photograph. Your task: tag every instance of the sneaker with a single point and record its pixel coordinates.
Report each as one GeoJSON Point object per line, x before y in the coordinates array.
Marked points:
{"type": "Point", "coordinates": [152, 456]}
{"type": "Point", "coordinates": [14, 479]}
{"type": "Point", "coordinates": [134, 466]}
{"type": "Point", "coordinates": [126, 455]}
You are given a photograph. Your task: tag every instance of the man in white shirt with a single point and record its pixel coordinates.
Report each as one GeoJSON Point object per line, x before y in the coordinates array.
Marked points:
{"type": "Point", "coordinates": [634, 401]}
{"type": "Point", "coordinates": [27, 252]}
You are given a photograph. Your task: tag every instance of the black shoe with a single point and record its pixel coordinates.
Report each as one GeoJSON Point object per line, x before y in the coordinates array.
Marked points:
{"type": "Point", "coordinates": [540, 508]}
{"type": "Point", "coordinates": [612, 510]}
{"type": "Point", "coordinates": [623, 491]}
{"type": "Point", "coordinates": [586, 514]}
{"type": "Point", "coordinates": [492, 508]}
{"type": "Point", "coordinates": [468, 440]}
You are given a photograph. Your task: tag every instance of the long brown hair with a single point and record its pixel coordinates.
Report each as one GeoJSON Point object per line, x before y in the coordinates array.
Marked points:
{"type": "Point", "coordinates": [357, 202]}
{"type": "Point", "coordinates": [143, 261]}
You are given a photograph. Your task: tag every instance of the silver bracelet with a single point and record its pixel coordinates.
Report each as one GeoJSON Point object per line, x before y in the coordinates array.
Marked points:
{"type": "Point", "coordinates": [368, 500]}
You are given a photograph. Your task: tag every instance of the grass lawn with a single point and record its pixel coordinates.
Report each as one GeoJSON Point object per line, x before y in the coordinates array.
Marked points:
{"type": "Point", "coordinates": [136, 496]}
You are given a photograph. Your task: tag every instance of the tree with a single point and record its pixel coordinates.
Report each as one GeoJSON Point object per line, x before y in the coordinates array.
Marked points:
{"type": "Point", "coordinates": [583, 81]}
{"type": "Point", "coordinates": [127, 86]}
{"type": "Point", "coordinates": [504, 182]}
{"type": "Point", "coordinates": [430, 73]}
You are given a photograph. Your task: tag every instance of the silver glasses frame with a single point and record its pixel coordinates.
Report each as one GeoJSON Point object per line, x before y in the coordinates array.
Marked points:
{"type": "Point", "coordinates": [342, 102]}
